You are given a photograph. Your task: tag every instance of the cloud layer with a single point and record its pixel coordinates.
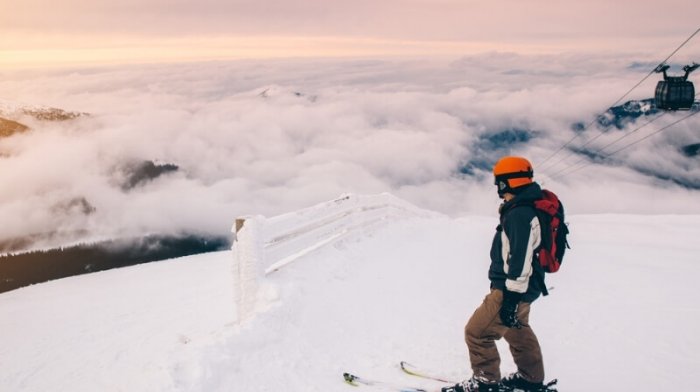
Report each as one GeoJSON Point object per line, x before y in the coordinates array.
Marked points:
{"type": "Point", "coordinates": [257, 137]}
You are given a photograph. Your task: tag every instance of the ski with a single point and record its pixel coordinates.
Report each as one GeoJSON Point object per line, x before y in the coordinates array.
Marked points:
{"type": "Point", "coordinates": [413, 371]}
{"type": "Point", "coordinates": [549, 387]}
{"type": "Point", "coordinates": [358, 381]}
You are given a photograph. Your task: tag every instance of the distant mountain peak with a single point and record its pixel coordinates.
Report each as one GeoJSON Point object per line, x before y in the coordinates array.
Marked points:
{"type": "Point", "coordinates": [13, 116]}
{"type": "Point", "coordinates": [10, 127]}
{"type": "Point", "coordinates": [15, 111]}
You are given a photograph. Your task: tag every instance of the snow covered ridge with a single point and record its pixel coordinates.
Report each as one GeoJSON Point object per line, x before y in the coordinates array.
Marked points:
{"type": "Point", "coordinates": [13, 117]}
{"type": "Point", "coordinates": [14, 111]}
{"type": "Point", "coordinates": [262, 246]}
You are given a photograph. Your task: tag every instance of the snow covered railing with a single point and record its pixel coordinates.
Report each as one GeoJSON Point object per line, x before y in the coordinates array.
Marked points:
{"type": "Point", "coordinates": [262, 246]}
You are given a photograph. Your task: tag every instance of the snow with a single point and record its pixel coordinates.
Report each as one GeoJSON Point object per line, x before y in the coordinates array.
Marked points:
{"type": "Point", "coordinates": [621, 315]}
{"type": "Point", "coordinates": [12, 108]}
{"type": "Point", "coordinates": [113, 330]}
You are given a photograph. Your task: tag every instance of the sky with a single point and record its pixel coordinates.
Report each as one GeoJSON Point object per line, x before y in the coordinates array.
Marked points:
{"type": "Point", "coordinates": [37, 33]}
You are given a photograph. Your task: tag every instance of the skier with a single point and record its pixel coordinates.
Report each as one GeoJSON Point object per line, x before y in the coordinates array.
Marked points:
{"type": "Point", "coordinates": [516, 282]}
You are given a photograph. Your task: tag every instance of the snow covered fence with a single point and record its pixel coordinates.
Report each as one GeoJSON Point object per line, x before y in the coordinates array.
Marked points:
{"type": "Point", "coordinates": [262, 246]}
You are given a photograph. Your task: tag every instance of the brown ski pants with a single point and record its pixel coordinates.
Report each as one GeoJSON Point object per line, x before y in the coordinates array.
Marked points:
{"type": "Point", "coordinates": [485, 327]}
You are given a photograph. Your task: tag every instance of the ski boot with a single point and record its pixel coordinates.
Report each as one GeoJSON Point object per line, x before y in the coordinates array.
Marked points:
{"type": "Point", "coordinates": [517, 383]}
{"type": "Point", "coordinates": [473, 385]}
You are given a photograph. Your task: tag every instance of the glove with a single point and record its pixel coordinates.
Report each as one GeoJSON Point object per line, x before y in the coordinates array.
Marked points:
{"type": "Point", "coordinates": [509, 309]}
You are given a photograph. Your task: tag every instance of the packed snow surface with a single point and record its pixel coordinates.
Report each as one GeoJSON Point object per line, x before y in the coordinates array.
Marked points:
{"type": "Point", "coordinates": [622, 314]}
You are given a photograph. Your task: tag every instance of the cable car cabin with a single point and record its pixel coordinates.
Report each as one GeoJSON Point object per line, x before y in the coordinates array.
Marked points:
{"type": "Point", "coordinates": [675, 92]}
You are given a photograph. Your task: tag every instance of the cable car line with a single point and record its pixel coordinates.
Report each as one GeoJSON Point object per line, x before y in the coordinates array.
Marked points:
{"type": "Point", "coordinates": [542, 164]}
{"type": "Point", "coordinates": [559, 174]}
{"type": "Point", "coordinates": [600, 150]}
{"type": "Point", "coordinates": [630, 133]}
{"type": "Point", "coordinates": [652, 134]}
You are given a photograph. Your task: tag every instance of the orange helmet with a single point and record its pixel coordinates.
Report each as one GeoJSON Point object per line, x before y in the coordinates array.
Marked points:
{"type": "Point", "coordinates": [511, 173]}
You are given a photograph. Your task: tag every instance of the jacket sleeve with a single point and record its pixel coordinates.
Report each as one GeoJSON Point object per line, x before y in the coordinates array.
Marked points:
{"type": "Point", "coordinates": [520, 237]}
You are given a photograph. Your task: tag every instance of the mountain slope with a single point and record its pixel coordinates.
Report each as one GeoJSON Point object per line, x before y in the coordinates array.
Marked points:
{"type": "Point", "coordinates": [620, 316]}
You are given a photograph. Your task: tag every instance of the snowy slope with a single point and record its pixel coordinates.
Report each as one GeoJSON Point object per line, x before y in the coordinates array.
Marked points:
{"type": "Point", "coordinates": [114, 330]}
{"type": "Point", "coordinates": [621, 316]}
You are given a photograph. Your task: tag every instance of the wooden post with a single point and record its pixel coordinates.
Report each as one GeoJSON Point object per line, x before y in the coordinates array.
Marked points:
{"type": "Point", "coordinates": [239, 225]}
{"type": "Point", "coordinates": [247, 260]}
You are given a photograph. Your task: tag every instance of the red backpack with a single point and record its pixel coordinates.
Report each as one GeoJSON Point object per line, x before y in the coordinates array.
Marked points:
{"type": "Point", "coordinates": [554, 230]}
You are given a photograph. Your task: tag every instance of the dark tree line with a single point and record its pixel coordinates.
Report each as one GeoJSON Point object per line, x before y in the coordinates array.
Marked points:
{"type": "Point", "coordinates": [18, 270]}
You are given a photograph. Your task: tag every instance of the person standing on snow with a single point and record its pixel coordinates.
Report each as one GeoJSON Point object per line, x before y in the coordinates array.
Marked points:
{"type": "Point", "coordinates": [516, 282]}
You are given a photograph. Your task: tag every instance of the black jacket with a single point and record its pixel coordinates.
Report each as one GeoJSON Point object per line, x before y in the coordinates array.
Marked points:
{"type": "Point", "coordinates": [513, 248]}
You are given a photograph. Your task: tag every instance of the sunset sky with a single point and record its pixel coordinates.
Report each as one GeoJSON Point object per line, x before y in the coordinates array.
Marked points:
{"type": "Point", "coordinates": [43, 33]}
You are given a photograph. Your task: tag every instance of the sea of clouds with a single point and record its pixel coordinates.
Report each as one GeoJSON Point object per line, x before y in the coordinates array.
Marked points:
{"type": "Point", "coordinates": [266, 137]}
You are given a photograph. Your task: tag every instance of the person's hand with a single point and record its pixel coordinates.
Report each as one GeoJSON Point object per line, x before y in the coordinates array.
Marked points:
{"type": "Point", "coordinates": [509, 309]}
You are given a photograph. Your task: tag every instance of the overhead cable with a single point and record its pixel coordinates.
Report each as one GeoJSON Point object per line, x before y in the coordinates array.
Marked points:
{"type": "Point", "coordinates": [567, 172]}
{"type": "Point", "coordinates": [576, 136]}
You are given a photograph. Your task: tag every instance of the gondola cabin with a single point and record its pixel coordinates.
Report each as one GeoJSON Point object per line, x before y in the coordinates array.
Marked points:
{"type": "Point", "coordinates": [674, 95]}
{"type": "Point", "coordinates": [675, 92]}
